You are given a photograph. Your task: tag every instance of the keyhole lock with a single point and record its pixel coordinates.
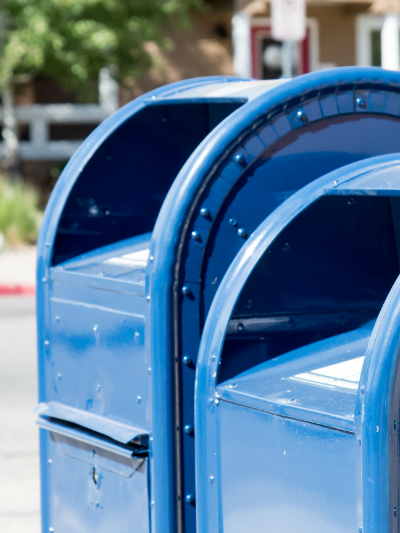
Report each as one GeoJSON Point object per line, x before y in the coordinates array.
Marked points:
{"type": "Point", "coordinates": [96, 476]}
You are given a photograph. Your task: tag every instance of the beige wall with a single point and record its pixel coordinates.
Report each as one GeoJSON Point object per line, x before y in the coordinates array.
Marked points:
{"type": "Point", "coordinates": [201, 51]}
{"type": "Point", "coordinates": [337, 32]}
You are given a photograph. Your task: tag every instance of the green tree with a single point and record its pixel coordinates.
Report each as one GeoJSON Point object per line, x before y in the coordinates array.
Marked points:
{"type": "Point", "coordinates": [71, 40]}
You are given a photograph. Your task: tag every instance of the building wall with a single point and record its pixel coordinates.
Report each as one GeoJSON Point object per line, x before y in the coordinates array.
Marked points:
{"type": "Point", "coordinates": [337, 32]}
{"type": "Point", "coordinates": [204, 50]}
{"type": "Point", "coordinates": [337, 27]}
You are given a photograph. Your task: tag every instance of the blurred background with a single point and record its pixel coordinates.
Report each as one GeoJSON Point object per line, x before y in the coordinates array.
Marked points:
{"type": "Point", "coordinates": [65, 66]}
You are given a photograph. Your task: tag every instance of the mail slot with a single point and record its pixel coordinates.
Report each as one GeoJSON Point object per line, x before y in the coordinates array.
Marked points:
{"type": "Point", "coordinates": [298, 393]}
{"type": "Point", "coordinates": [138, 235]}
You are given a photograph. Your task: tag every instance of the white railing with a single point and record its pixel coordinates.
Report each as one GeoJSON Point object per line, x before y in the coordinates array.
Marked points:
{"type": "Point", "coordinates": [39, 118]}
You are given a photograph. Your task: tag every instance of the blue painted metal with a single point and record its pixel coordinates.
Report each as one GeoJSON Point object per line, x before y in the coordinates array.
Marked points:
{"type": "Point", "coordinates": [185, 160]}
{"type": "Point", "coordinates": [81, 216]}
{"type": "Point", "coordinates": [88, 438]}
{"type": "Point", "coordinates": [117, 431]}
{"type": "Point", "coordinates": [286, 386]}
{"type": "Point", "coordinates": [264, 388]}
{"type": "Point", "coordinates": [92, 489]}
{"type": "Point", "coordinates": [275, 484]}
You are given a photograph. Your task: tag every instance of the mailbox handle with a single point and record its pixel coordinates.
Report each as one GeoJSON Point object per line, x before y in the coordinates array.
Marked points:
{"type": "Point", "coordinates": [56, 427]}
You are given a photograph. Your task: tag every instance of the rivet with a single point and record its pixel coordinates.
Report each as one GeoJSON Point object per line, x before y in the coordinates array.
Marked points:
{"type": "Point", "coordinates": [302, 116]}
{"type": "Point", "coordinates": [97, 504]}
{"type": "Point", "coordinates": [361, 103]}
{"type": "Point", "coordinates": [211, 479]}
{"type": "Point", "coordinates": [59, 376]}
{"type": "Point", "coordinates": [136, 336]}
{"type": "Point", "coordinates": [98, 387]}
{"type": "Point", "coordinates": [149, 370]}
{"type": "Point", "coordinates": [359, 440]}
{"type": "Point", "coordinates": [107, 213]}
{"type": "Point", "coordinates": [233, 221]}
{"type": "Point", "coordinates": [57, 319]}
{"type": "Point", "coordinates": [216, 401]}
{"type": "Point", "coordinates": [95, 327]}
{"type": "Point", "coordinates": [359, 529]}
{"type": "Point", "coordinates": [186, 291]}
{"type": "Point", "coordinates": [189, 498]}
{"type": "Point", "coordinates": [213, 357]}
{"type": "Point", "coordinates": [151, 258]}
{"type": "Point", "coordinates": [188, 430]}
{"type": "Point", "coordinates": [46, 343]}
{"type": "Point", "coordinates": [210, 402]}
{"type": "Point", "coordinates": [50, 461]}
{"type": "Point", "coordinates": [196, 236]}
{"type": "Point", "coordinates": [240, 327]}
{"type": "Point", "coordinates": [148, 298]}
{"type": "Point", "coordinates": [335, 183]}
{"type": "Point", "coordinates": [362, 389]}
{"type": "Point", "coordinates": [48, 244]}
{"type": "Point", "coordinates": [286, 246]}
{"type": "Point", "coordinates": [186, 360]}
{"type": "Point", "coordinates": [44, 280]}
{"type": "Point", "coordinates": [138, 399]}
{"type": "Point", "coordinates": [242, 233]}
{"type": "Point", "coordinates": [239, 159]}
{"type": "Point", "coordinates": [248, 304]}
{"type": "Point", "coordinates": [204, 212]}
{"type": "Point", "coordinates": [51, 529]}
{"type": "Point", "coordinates": [351, 201]}
{"type": "Point", "coordinates": [151, 504]}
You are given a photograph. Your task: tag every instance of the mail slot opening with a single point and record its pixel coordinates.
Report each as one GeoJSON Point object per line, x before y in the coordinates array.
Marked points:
{"type": "Point", "coordinates": [119, 192]}
{"type": "Point", "coordinates": [328, 272]}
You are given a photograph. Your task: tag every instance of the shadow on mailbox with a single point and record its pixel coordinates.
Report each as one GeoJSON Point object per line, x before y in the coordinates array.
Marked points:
{"type": "Point", "coordinates": [284, 430]}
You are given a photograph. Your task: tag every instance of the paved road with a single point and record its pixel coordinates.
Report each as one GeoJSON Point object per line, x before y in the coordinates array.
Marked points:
{"type": "Point", "coordinates": [19, 463]}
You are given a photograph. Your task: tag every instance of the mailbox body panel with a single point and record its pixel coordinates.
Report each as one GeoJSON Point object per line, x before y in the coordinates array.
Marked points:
{"type": "Point", "coordinates": [97, 359]}
{"type": "Point", "coordinates": [118, 501]}
{"type": "Point", "coordinates": [280, 474]}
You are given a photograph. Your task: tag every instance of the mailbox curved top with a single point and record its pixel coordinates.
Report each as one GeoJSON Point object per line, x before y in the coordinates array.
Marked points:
{"type": "Point", "coordinates": [100, 156]}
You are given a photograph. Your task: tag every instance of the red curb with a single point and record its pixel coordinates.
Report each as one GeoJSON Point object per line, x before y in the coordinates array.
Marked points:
{"type": "Point", "coordinates": [10, 290]}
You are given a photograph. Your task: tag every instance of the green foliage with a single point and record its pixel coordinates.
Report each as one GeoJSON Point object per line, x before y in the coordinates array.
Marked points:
{"type": "Point", "coordinates": [20, 216]}
{"type": "Point", "coordinates": [71, 40]}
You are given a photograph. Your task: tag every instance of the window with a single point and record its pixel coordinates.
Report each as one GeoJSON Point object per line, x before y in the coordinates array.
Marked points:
{"type": "Point", "coordinates": [266, 53]}
{"type": "Point", "coordinates": [368, 40]}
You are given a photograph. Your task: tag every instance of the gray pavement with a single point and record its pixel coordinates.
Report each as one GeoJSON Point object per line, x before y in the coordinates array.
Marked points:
{"type": "Point", "coordinates": [19, 462]}
{"type": "Point", "coordinates": [18, 266]}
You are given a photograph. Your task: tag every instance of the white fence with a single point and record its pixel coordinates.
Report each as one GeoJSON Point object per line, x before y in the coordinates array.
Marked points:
{"type": "Point", "coordinates": [39, 119]}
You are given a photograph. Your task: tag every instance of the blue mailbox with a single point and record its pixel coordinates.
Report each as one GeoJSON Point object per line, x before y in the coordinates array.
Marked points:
{"type": "Point", "coordinates": [298, 404]}
{"type": "Point", "coordinates": [139, 232]}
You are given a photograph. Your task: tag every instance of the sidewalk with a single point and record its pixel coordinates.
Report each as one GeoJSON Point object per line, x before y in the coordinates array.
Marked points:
{"type": "Point", "coordinates": [19, 447]}
{"type": "Point", "coordinates": [18, 270]}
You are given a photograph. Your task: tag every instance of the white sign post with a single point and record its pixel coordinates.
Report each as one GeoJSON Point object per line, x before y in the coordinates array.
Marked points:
{"type": "Point", "coordinates": [288, 25]}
